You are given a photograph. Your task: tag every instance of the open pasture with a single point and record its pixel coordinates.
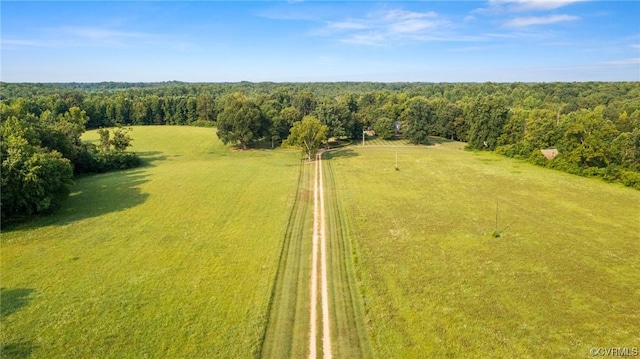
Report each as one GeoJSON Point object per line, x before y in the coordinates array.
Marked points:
{"type": "Point", "coordinates": [173, 259]}
{"type": "Point", "coordinates": [561, 278]}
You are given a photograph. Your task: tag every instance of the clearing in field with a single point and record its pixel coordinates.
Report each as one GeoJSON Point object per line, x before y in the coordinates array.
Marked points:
{"type": "Point", "coordinates": [561, 278]}
{"type": "Point", "coordinates": [174, 259]}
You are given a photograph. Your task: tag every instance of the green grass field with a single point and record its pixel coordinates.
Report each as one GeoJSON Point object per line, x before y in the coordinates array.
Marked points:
{"type": "Point", "coordinates": [204, 252]}
{"type": "Point", "coordinates": [562, 277]}
{"type": "Point", "coordinates": [174, 259]}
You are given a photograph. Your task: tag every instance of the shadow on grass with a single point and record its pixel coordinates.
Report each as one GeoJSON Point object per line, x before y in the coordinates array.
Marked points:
{"type": "Point", "coordinates": [149, 157]}
{"type": "Point", "coordinates": [101, 194]}
{"type": "Point", "coordinates": [17, 350]}
{"type": "Point", "coordinates": [340, 153]}
{"type": "Point", "coordinates": [93, 196]}
{"type": "Point", "coordinates": [13, 299]}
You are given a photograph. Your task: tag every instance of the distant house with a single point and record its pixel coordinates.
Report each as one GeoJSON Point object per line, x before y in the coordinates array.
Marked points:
{"type": "Point", "coordinates": [550, 153]}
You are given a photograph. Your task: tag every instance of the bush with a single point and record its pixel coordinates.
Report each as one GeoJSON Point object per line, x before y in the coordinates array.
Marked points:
{"type": "Point", "coordinates": [111, 161]}
{"type": "Point", "coordinates": [90, 160]}
{"type": "Point", "coordinates": [630, 179]}
{"type": "Point", "coordinates": [536, 157]}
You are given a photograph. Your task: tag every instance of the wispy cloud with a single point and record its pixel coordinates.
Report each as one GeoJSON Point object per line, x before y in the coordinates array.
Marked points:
{"type": "Point", "coordinates": [624, 62]}
{"type": "Point", "coordinates": [386, 27]}
{"type": "Point", "coordinates": [539, 20]}
{"type": "Point", "coordinates": [13, 43]}
{"type": "Point", "coordinates": [530, 5]}
{"type": "Point", "coordinates": [69, 36]}
{"type": "Point", "coordinates": [98, 36]}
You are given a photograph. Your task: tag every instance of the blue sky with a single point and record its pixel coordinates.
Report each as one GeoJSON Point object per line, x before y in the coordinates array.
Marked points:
{"type": "Point", "coordinates": [218, 41]}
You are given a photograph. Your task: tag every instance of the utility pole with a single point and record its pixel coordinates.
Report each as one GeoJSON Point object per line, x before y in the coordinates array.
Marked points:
{"type": "Point", "coordinates": [396, 159]}
{"type": "Point", "coordinates": [496, 214]}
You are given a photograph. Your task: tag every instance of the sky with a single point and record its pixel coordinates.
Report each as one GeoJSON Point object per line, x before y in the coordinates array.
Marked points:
{"type": "Point", "coordinates": [300, 41]}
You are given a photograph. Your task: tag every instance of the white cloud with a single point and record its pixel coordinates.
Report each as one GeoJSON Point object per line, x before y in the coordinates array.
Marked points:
{"type": "Point", "coordinates": [347, 25]}
{"type": "Point", "coordinates": [386, 27]}
{"type": "Point", "coordinates": [624, 62]}
{"type": "Point", "coordinates": [92, 36]}
{"type": "Point", "coordinates": [401, 15]}
{"type": "Point", "coordinates": [73, 37]}
{"type": "Point", "coordinates": [539, 20]}
{"type": "Point", "coordinates": [530, 5]}
{"type": "Point", "coordinates": [100, 34]}
{"type": "Point", "coordinates": [20, 43]}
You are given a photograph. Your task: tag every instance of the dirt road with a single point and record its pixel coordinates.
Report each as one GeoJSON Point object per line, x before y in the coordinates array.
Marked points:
{"type": "Point", "coordinates": [315, 310]}
{"type": "Point", "coordinates": [319, 240]}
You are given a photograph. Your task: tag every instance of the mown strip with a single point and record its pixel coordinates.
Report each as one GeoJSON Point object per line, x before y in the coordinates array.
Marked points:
{"type": "Point", "coordinates": [287, 328]}
{"type": "Point", "coordinates": [348, 333]}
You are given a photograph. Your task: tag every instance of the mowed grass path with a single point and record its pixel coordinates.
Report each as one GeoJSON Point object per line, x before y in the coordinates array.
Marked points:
{"type": "Point", "coordinates": [562, 278]}
{"type": "Point", "coordinates": [287, 334]}
{"type": "Point", "coordinates": [174, 259]}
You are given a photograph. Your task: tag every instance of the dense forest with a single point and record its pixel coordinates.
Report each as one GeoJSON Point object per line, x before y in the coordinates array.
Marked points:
{"type": "Point", "coordinates": [594, 126]}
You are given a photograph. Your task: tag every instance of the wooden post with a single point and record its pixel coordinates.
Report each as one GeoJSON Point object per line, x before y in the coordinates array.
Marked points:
{"type": "Point", "coordinates": [496, 214]}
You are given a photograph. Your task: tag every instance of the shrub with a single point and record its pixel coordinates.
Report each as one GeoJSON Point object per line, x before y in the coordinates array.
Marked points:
{"type": "Point", "coordinates": [111, 161]}
{"type": "Point", "coordinates": [630, 178]}
{"type": "Point", "coordinates": [89, 160]}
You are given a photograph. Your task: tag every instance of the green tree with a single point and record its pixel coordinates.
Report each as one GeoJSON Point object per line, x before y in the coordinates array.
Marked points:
{"type": "Point", "coordinates": [308, 135]}
{"type": "Point", "coordinates": [487, 116]}
{"type": "Point", "coordinates": [330, 115]}
{"type": "Point", "coordinates": [33, 179]}
{"type": "Point", "coordinates": [385, 128]}
{"type": "Point", "coordinates": [417, 120]}
{"type": "Point", "coordinates": [291, 115]}
{"type": "Point", "coordinates": [304, 101]}
{"type": "Point", "coordinates": [445, 114]}
{"type": "Point", "coordinates": [105, 139]}
{"type": "Point", "coordinates": [626, 150]}
{"type": "Point", "coordinates": [241, 121]}
{"type": "Point", "coordinates": [121, 139]}
{"type": "Point", "coordinates": [587, 138]}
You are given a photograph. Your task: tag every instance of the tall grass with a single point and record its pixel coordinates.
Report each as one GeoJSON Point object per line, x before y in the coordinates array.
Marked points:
{"type": "Point", "coordinates": [561, 278]}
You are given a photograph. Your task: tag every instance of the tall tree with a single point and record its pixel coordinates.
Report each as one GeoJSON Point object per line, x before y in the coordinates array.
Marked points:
{"type": "Point", "coordinates": [587, 138]}
{"type": "Point", "coordinates": [487, 116]}
{"type": "Point", "coordinates": [308, 134]}
{"type": "Point", "coordinates": [205, 107]}
{"type": "Point", "coordinates": [385, 128]}
{"type": "Point", "coordinates": [417, 120]}
{"type": "Point", "coordinates": [240, 121]}
{"type": "Point", "coordinates": [34, 179]}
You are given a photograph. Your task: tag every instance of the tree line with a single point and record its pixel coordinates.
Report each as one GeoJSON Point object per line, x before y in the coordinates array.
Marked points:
{"type": "Point", "coordinates": [594, 126]}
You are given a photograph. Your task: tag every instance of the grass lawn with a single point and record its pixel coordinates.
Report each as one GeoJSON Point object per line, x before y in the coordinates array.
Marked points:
{"type": "Point", "coordinates": [562, 277]}
{"type": "Point", "coordinates": [173, 259]}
